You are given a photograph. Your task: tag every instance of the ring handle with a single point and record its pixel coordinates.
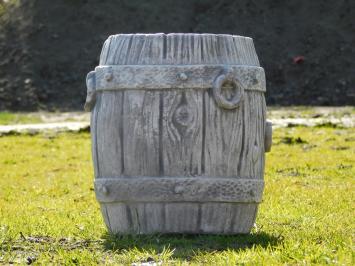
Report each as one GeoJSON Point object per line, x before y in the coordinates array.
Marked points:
{"type": "Point", "coordinates": [91, 91]}
{"type": "Point", "coordinates": [268, 136]}
{"type": "Point", "coordinates": [217, 91]}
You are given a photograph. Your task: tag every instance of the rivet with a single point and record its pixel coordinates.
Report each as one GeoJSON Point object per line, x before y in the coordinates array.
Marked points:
{"type": "Point", "coordinates": [108, 76]}
{"type": "Point", "coordinates": [183, 76]}
{"type": "Point", "coordinates": [178, 189]}
{"type": "Point", "coordinates": [104, 190]}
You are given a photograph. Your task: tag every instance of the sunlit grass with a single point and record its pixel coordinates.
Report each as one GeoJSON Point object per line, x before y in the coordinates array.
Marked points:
{"type": "Point", "coordinates": [8, 118]}
{"type": "Point", "coordinates": [310, 112]}
{"type": "Point", "coordinates": [48, 211]}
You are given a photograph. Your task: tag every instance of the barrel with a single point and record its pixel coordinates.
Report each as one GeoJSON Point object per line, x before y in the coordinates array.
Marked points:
{"type": "Point", "coordinates": [178, 133]}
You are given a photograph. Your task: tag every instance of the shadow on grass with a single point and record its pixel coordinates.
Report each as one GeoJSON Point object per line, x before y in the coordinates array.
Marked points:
{"type": "Point", "coordinates": [185, 246]}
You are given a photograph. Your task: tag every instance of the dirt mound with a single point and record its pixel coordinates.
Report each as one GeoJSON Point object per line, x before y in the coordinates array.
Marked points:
{"type": "Point", "coordinates": [47, 47]}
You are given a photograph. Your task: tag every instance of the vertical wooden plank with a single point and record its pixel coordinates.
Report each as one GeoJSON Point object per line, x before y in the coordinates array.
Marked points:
{"type": "Point", "coordinates": [108, 135]}
{"type": "Point", "coordinates": [245, 158]}
{"type": "Point", "coordinates": [119, 49]}
{"type": "Point", "coordinates": [261, 122]}
{"type": "Point", "coordinates": [257, 124]}
{"type": "Point", "coordinates": [93, 133]}
{"type": "Point", "coordinates": [136, 217]}
{"type": "Point", "coordinates": [105, 51]}
{"type": "Point", "coordinates": [244, 217]}
{"type": "Point", "coordinates": [116, 217]}
{"type": "Point", "coordinates": [251, 163]}
{"type": "Point", "coordinates": [141, 133]}
{"type": "Point", "coordinates": [223, 141]}
{"type": "Point", "coordinates": [154, 214]}
{"type": "Point", "coordinates": [216, 217]}
{"type": "Point", "coordinates": [263, 134]}
{"type": "Point", "coordinates": [181, 217]}
{"type": "Point", "coordinates": [181, 132]}
{"type": "Point", "coordinates": [227, 218]}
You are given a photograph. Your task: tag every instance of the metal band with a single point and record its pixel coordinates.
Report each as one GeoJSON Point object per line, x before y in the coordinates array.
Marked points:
{"type": "Point", "coordinates": [178, 189]}
{"type": "Point", "coordinates": [153, 77]}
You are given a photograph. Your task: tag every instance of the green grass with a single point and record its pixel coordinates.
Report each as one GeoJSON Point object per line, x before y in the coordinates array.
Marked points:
{"type": "Point", "coordinates": [310, 112]}
{"type": "Point", "coordinates": [48, 211]}
{"type": "Point", "coordinates": [7, 118]}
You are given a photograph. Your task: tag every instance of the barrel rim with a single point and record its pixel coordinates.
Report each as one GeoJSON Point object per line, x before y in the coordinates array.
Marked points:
{"type": "Point", "coordinates": [181, 48]}
{"type": "Point", "coordinates": [185, 34]}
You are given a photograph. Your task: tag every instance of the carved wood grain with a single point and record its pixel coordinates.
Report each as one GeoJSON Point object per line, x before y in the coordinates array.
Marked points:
{"type": "Point", "coordinates": [204, 218]}
{"type": "Point", "coordinates": [141, 133]}
{"type": "Point", "coordinates": [181, 133]}
{"type": "Point", "coordinates": [178, 133]}
{"type": "Point", "coordinates": [108, 136]}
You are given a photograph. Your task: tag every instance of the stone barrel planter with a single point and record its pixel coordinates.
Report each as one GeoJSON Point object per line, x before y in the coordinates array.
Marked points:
{"type": "Point", "coordinates": [178, 133]}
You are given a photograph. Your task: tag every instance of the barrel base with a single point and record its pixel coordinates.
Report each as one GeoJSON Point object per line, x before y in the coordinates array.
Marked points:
{"type": "Point", "coordinates": [183, 217]}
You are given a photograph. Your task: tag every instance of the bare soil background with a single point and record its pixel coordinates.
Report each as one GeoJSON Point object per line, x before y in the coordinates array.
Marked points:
{"type": "Point", "coordinates": [46, 47]}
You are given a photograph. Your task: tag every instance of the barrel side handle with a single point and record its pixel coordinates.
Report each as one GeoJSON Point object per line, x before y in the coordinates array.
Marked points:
{"type": "Point", "coordinates": [91, 91]}
{"type": "Point", "coordinates": [268, 136]}
{"type": "Point", "coordinates": [227, 75]}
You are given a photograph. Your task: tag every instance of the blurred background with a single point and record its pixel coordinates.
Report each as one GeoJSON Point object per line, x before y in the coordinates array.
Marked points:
{"type": "Point", "coordinates": [307, 48]}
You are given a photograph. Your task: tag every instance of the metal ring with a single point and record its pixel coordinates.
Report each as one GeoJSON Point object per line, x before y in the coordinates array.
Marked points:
{"type": "Point", "coordinates": [220, 99]}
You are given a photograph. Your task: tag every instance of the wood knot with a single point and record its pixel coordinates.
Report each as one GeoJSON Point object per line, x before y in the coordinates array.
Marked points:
{"type": "Point", "coordinates": [108, 76]}
{"type": "Point", "coordinates": [182, 116]}
{"type": "Point", "coordinates": [182, 76]}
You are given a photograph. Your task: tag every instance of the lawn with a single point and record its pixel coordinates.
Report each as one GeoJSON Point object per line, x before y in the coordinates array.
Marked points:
{"type": "Point", "coordinates": [48, 211]}
{"type": "Point", "coordinates": [13, 118]}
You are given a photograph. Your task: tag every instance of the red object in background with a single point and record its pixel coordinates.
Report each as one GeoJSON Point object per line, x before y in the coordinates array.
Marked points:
{"type": "Point", "coordinates": [298, 59]}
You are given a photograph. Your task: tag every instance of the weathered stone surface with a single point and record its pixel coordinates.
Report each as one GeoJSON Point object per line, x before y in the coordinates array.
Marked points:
{"type": "Point", "coordinates": [178, 133]}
